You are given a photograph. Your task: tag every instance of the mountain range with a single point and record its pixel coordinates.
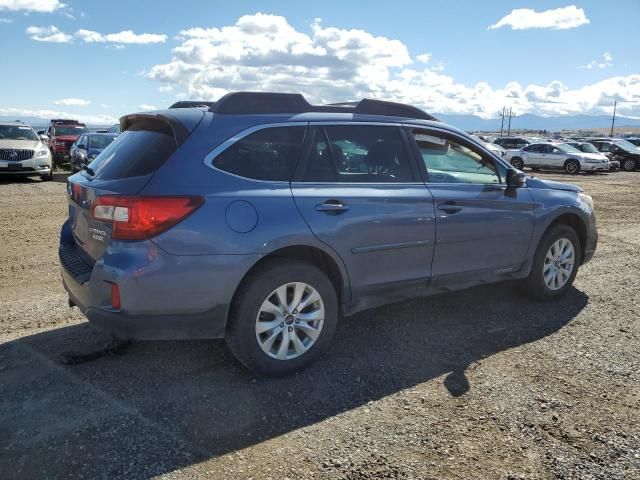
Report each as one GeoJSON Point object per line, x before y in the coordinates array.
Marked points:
{"type": "Point", "coordinates": [475, 123]}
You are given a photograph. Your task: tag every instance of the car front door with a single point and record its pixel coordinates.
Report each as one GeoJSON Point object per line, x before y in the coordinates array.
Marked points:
{"type": "Point", "coordinates": [359, 191]}
{"type": "Point", "coordinates": [554, 157]}
{"type": "Point", "coordinates": [483, 228]}
{"type": "Point", "coordinates": [532, 155]}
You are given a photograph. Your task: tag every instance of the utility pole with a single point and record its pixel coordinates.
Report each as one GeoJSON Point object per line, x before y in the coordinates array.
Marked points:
{"type": "Point", "coordinates": [511, 114]}
{"type": "Point", "coordinates": [502, 115]}
{"type": "Point", "coordinates": [613, 119]}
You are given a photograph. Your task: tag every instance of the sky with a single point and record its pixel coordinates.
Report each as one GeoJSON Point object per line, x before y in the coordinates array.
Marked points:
{"type": "Point", "coordinates": [96, 61]}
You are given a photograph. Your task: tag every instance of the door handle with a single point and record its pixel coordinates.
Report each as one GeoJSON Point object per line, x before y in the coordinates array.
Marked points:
{"type": "Point", "coordinates": [449, 207]}
{"type": "Point", "coordinates": [332, 207]}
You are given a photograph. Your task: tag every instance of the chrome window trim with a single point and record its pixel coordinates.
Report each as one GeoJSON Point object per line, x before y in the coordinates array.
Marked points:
{"type": "Point", "coordinates": [210, 157]}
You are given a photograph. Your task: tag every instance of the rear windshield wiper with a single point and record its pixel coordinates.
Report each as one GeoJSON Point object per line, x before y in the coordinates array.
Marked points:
{"type": "Point", "coordinates": [88, 169]}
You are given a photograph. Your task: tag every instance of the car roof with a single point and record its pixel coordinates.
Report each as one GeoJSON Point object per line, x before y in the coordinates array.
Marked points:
{"type": "Point", "coordinates": [16, 123]}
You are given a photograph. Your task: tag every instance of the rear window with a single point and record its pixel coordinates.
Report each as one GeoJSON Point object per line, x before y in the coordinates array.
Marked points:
{"type": "Point", "coordinates": [268, 154]}
{"type": "Point", "coordinates": [141, 150]}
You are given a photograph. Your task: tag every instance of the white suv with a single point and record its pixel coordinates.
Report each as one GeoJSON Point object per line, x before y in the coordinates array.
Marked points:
{"type": "Point", "coordinates": [22, 152]}
{"type": "Point", "coordinates": [557, 156]}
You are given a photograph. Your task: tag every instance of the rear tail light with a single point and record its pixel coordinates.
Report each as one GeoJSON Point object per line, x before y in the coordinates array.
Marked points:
{"type": "Point", "coordinates": [115, 296]}
{"type": "Point", "coordinates": [140, 218]}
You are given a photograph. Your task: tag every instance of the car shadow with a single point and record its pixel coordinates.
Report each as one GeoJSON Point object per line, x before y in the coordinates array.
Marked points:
{"type": "Point", "coordinates": [162, 406]}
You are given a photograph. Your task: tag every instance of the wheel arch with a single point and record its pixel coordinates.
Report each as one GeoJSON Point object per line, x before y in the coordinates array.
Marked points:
{"type": "Point", "coordinates": [574, 221]}
{"type": "Point", "coordinates": [333, 267]}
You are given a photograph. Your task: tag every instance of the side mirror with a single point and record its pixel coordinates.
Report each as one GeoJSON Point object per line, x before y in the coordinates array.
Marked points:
{"type": "Point", "coordinates": [516, 178]}
{"type": "Point", "coordinates": [43, 137]}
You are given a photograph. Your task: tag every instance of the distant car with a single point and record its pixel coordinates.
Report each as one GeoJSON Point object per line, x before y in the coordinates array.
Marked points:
{"type": "Point", "coordinates": [88, 147]}
{"type": "Point", "coordinates": [588, 147]}
{"type": "Point", "coordinates": [115, 128]}
{"type": "Point", "coordinates": [512, 142]}
{"type": "Point", "coordinates": [557, 156]}
{"type": "Point", "coordinates": [23, 153]}
{"type": "Point", "coordinates": [621, 150]}
{"type": "Point", "coordinates": [634, 140]}
{"type": "Point", "coordinates": [493, 147]}
{"type": "Point", "coordinates": [62, 134]}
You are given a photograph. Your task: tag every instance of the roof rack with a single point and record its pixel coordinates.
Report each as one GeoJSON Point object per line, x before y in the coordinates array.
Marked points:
{"type": "Point", "coordinates": [265, 102]}
{"type": "Point", "coordinates": [64, 121]}
{"type": "Point", "coordinates": [192, 104]}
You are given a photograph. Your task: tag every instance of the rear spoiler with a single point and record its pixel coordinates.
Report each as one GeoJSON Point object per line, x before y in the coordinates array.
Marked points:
{"type": "Point", "coordinates": [181, 125]}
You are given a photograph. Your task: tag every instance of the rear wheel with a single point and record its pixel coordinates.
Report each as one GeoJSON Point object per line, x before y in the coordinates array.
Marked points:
{"type": "Point", "coordinates": [517, 162]}
{"type": "Point", "coordinates": [572, 166]}
{"type": "Point", "coordinates": [628, 165]}
{"type": "Point", "coordinates": [555, 264]}
{"type": "Point", "coordinates": [282, 317]}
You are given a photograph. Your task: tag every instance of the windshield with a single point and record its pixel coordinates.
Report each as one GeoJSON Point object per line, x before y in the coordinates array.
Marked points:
{"type": "Point", "coordinates": [70, 130]}
{"type": "Point", "coordinates": [588, 148]}
{"type": "Point", "coordinates": [625, 145]}
{"type": "Point", "coordinates": [17, 132]}
{"type": "Point", "coordinates": [100, 141]}
{"type": "Point", "coordinates": [565, 147]}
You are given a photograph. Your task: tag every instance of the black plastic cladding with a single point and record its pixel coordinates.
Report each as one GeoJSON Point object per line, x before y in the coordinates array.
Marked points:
{"type": "Point", "coordinates": [247, 103]}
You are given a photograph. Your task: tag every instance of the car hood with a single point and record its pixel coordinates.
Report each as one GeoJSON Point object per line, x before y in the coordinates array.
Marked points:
{"type": "Point", "coordinates": [535, 182]}
{"type": "Point", "coordinates": [67, 138]}
{"type": "Point", "coordinates": [594, 156]}
{"type": "Point", "coordinates": [20, 144]}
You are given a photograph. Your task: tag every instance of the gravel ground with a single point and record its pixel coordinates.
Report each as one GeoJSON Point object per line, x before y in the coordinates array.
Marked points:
{"type": "Point", "coordinates": [479, 384]}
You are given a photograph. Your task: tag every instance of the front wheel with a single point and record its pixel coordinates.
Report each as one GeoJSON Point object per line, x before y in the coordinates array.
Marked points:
{"type": "Point", "coordinates": [282, 318]}
{"type": "Point", "coordinates": [555, 264]}
{"type": "Point", "coordinates": [517, 162]}
{"type": "Point", "coordinates": [572, 166]}
{"type": "Point", "coordinates": [628, 165]}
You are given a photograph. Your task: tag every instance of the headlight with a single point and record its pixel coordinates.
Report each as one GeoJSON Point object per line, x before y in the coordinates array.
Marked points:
{"type": "Point", "coordinates": [42, 152]}
{"type": "Point", "coordinates": [587, 199]}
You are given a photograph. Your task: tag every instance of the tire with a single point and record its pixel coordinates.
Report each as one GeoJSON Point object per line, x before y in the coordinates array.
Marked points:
{"type": "Point", "coordinates": [535, 285]}
{"type": "Point", "coordinates": [247, 312]}
{"type": "Point", "coordinates": [517, 162]}
{"type": "Point", "coordinates": [572, 166]}
{"type": "Point", "coordinates": [628, 165]}
{"type": "Point", "coordinates": [48, 177]}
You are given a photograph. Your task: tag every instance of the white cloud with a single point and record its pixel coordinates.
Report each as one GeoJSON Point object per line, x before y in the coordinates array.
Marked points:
{"type": "Point", "coordinates": [6, 20]}
{"type": "Point", "coordinates": [49, 34]}
{"type": "Point", "coordinates": [72, 102]}
{"type": "Point", "coordinates": [423, 57]}
{"type": "Point", "coordinates": [104, 105]}
{"type": "Point", "coordinates": [146, 106]}
{"type": "Point", "coordinates": [120, 38]}
{"type": "Point", "coordinates": [556, 19]}
{"type": "Point", "coordinates": [329, 64]}
{"type": "Point", "coordinates": [45, 114]}
{"type": "Point", "coordinates": [42, 6]}
{"type": "Point", "coordinates": [606, 62]}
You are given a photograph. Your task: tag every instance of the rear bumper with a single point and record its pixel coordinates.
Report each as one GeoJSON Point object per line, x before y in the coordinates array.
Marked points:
{"type": "Point", "coordinates": [163, 296]}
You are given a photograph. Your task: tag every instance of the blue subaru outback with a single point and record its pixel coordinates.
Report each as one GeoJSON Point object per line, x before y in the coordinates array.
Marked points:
{"type": "Point", "coordinates": [262, 219]}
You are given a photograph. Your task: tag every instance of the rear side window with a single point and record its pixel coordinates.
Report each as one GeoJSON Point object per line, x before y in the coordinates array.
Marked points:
{"type": "Point", "coordinates": [269, 154]}
{"type": "Point", "coordinates": [141, 150]}
{"type": "Point", "coordinates": [357, 154]}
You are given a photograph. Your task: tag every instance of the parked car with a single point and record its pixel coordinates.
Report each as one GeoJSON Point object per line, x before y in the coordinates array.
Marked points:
{"type": "Point", "coordinates": [62, 134]}
{"type": "Point", "coordinates": [557, 156]}
{"type": "Point", "coordinates": [263, 219]}
{"type": "Point", "coordinates": [512, 142]}
{"type": "Point", "coordinates": [588, 147]}
{"type": "Point", "coordinates": [23, 153]}
{"type": "Point", "coordinates": [626, 153]}
{"type": "Point", "coordinates": [115, 128]}
{"type": "Point", "coordinates": [492, 147]}
{"type": "Point", "coordinates": [634, 140]}
{"type": "Point", "coordinates": [87, 147]}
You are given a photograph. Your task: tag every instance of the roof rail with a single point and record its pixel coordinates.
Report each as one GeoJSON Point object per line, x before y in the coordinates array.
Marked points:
{"type": "Point", "coordinates": [265, 102]}
{"type": "Point", "coordinates": [192, 104]}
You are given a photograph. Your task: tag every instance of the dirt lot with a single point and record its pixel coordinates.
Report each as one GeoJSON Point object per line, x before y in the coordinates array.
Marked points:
{"type": "Point", "coordinates": [481, 384]}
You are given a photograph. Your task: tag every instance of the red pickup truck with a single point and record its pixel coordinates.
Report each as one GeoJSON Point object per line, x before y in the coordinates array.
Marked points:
{"type": "Point", "coordinates": [62, 134]}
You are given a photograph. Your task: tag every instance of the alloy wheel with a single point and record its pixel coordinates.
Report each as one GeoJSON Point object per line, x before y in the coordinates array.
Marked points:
{"type": "Point", "coordinates": [290, 320]}
{"type": "Point", "coordinates": [559, 264]}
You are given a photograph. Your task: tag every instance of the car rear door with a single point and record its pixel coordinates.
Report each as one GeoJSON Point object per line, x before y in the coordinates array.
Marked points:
{"type": "Point", "coordinates": [359, 191]}
{"type": "Point", "coordinates": [482, 227]}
